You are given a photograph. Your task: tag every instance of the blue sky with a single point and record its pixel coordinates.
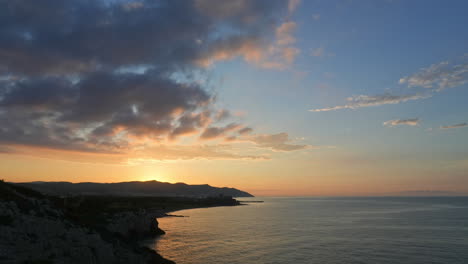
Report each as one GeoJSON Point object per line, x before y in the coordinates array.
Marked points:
{"type": "Point", "coordinates": [366, 47]}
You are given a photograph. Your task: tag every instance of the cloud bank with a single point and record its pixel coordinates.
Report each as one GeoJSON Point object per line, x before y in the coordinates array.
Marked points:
{"type": "Point", "coordinates": [112, 76]}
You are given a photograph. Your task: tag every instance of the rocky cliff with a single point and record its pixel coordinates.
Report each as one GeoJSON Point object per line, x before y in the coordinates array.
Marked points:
{"type": "Point", "coordinates": [34, 229]}
{"type": "Point", "coordinates": [135, 225]}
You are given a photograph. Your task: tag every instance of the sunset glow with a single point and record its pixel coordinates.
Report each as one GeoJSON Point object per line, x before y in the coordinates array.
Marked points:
{"type": "Point", "coordinates": [277, 98]}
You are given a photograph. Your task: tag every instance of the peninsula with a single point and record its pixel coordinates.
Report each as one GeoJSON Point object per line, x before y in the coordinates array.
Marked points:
{"type": "Point", "coordinates": [87, 226]}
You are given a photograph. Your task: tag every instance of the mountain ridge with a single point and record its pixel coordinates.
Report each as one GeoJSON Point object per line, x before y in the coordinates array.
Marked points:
{"type": "Point", "coordinates": [134, 188]}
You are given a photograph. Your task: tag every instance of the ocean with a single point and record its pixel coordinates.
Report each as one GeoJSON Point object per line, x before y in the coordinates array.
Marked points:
{"type": "Point", "coordinates": [373, 230]}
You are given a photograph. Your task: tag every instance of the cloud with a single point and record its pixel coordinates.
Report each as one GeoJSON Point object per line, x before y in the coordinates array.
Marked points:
{"type": "Point", "coordinates": [216, 152]}
{"type": "Point", "coordinates": [216, 132]}
{"type": "Point", "coordinates": [375, 100]}
{"type": "Point", "coordinates": [4, 149]}
{"type": "Point", "coordinates": [396, 122]}
{"type": "Point", "coordinates": [455, 126]}
{"type": "Point", "coordinates": [281, 54]}
{"type": "Point", "coordinates": [254, 48]}
{"type": "Point", "coordinates": [237, 134]}
{"type": "Point", "coordinates": [114, 76]}
{"type": "Point", "coordinates": [75, 36]}
{"type": "Point", "coordinates": [439, 76]}
{"type": "Point", "coordinates": [190, 123]}
{"type": "Point", "coordinates": [222, 114]}
{"type": "Point", "coordinates": [130, 6]}
{"type": "Point", "coordinates": [245, 130]}
{"type": "Point", "coordinates": [293, 4]}
{"type": "Point", "coordinates": [219, 10]}
{"type": "Point", "coordinates": [276, 142]}
{"type": "Point", "coordinates": [101, 110]}
{"type": "Point", "coordinates": [436, 78]}
{"type": "Point", "coordinates": [318, 52]}
{"type": "Point", "coordinates": [284, 33]}
{"type": "Point", "coordinates": [149, 155]}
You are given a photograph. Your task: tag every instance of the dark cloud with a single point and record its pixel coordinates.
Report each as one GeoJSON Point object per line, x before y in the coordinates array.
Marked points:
{"type": "Point", "coordinates": [96, 109]}
{"type": "Point", "coordinates": [45, 93]}
{"type": "Point", "coordinates": [191, 123]}
{"type": "Point", "coordinates": [58, 37]}
{"type": "Point", "coordinates": [88, 75]}
{"type": "Point", "coordinates": [245, 130]}
{"type": "Point", "coordinates": [222, 115]}
{"type": "Point", "coordinates": [106, 96]}
{"type": "Point", "coordinates": [217, 132]}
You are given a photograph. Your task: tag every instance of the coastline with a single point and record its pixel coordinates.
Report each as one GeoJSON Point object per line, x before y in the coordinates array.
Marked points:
{"type": "Point", "coordinates": [253, 234]}
{"type": "Point", "coordinates": [137, 221]}
{"type": "Point", "coordinates": [169, 213]}
{"type": "Point", "coordinates": [86, 229]}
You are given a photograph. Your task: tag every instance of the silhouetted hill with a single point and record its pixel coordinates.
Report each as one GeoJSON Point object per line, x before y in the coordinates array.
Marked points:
{"type": "Point", "coordinates": [135, 188]}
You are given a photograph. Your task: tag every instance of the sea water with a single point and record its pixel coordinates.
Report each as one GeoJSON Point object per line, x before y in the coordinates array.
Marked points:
{"type": "Point", "coordinates": [321, 230]}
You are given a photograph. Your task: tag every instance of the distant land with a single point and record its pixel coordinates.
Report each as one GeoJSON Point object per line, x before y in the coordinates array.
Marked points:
{"type": "Point", "coordinates": [134, 188]}
{"type": "Point", "coordinates": [429, 193]}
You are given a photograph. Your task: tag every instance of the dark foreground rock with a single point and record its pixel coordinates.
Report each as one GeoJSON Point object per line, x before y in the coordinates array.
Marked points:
{"type": "Point", "coordinates": [135, 225]}
{"type": "Point", "coordinates": [37, 229]}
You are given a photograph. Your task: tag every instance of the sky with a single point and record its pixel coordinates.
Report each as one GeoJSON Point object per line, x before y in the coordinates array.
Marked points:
{"type": "Point", "coordinates": [277, 98]}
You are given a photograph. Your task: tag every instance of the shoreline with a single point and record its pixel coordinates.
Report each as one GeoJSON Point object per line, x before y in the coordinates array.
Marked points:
{"type": "Point", "coordinates": [168, 214]}
{"type": "Point", "coordinates": [86, 229]}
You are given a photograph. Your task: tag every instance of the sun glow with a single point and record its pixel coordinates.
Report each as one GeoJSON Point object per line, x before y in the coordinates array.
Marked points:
{"type": "Point", "coordinates": [149, 173]}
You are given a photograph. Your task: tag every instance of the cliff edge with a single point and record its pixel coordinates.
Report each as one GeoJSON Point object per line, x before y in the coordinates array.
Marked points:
{"type": "Point", "coordinates": [35, 228]}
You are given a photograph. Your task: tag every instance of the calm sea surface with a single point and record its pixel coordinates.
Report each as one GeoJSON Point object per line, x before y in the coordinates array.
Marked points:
{"type": "Point", "coordinates": [321, 230]}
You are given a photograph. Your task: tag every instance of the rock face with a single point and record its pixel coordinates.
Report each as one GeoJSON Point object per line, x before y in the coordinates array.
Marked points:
{"type": "Point", "coordinates": [135, 225]}
{"type": "Point", "coordinates": [33, 230]}
{"type": "Point", "coordinates": [40, 235]}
